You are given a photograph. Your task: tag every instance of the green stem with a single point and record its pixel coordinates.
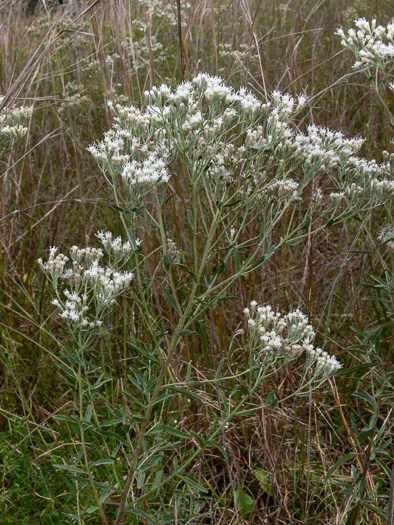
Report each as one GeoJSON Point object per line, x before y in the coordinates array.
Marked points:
{"type": "Point", "coordinates": [85, 454]}
{"type": "Point", "coordinates": [163, 370]}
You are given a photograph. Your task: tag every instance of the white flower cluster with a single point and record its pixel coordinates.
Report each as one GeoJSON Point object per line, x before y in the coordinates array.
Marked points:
{"type": "Point", "coordinates": [150, 171]}
{"type": "Point", "coordinates": [386, 236]}
{"type": "Point", "coordinates": [235, 143]}
{"type": "Point", "coordinates": [110, 150]}
{"type": "Point", "coordinates": [167, 11]}
{"type": "Point", "coordinates": [286, 105]}
{"type": "Point", "coordinates": [115, 245]}
{"type": "Point", "coordinates": [382, 189]}
{"type": "Point", "coordinates": [173, 251]}
{"type": "Point", "coordinates": [106, 283]}
{"type": "Point", "coordinates": [319, 150]}
{"type": "Point", "coordinates": [139, 51]}
{"type": "Point", "coordinates": [141, 144]}
{"type": "Point", "coordinates": [55, 264]}
{"type": "Point", "coordinates": [284, 109]}
{"type": "Point", "coordinates": [284, 189]}
{"type": "Point", "coordinates": [224, 162]}
{"type": "Point", "coordinates": [287, 336]}
{"type": "Point", "coordinates": [372, 45]}
{"type": "Point", "coordinates": [75, 309]}
{"type": "Point", "coordinates": [74, 99]}
{"type": "Point", "coordinates": [242, 52]}
{"type": "Point", "coordinates": [337, 197]}
{"type": "Point", "coordinates": [211, 89]}
{"type": "Point", "coordinates": [93, 288]}
{"type": "Point", "coordinates": [325, 148]}
{"type": "Point", "coordinates": [86, 255]}
{"type": "Point", "coordinates": [12, 120]}
{"type": "Point", "coordinates": [368, 169]}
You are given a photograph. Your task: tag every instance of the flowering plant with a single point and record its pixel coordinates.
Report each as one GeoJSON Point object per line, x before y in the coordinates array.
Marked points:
{"type": "Point", "coordinates": [243, 177]}
{"type": "Point", "coordinates": [12, 123]}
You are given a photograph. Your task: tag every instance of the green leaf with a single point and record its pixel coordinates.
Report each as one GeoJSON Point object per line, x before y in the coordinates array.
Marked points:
{"type": "Point", "coordinates": [99, 382]}
{"type": "Point", "coordinates": [190, 272]}
{"type": "Point", "coordinates": [294, 242]}
{"type": "Point", "coordinates": [192, 483]}
{"type": "Point", "coordinates": [264, 478]}
{"type": "Point", "coordinates": [84, 481]}
{"type": "Point", "coordinates": [105, 486]}
{"type": "Point", "coordinates": [73, 470]}
{"type": "Point", "coordinates": [185, 333]}
{"type": "Point", "coordinates": [150, 463]}
{"type": "Point", "coordinates": [340, 462]}
{"type": "Point", "coordinates": [115, 209]}
{"type": "Point", "coordinates": [135, 400]}
{"type": "Point", "coordinates": [190, 219]}
{"type": "Point", "coordinates": [224, 401]}
{"type": "Point", "coordinates": [104, 495]}
{"type": "Point", "coordinates": [117, 421]}
{"type": "Point", "coordinates": [145, 353]}
{"type": "Point", "coordinates": [259, 262]}
{"type": "Point", "coordinates": [140, 479]}
{"type": "Point", "coordinates": [221, 267]}
{"type": "Point", "coordinates": [173, 431]}
{"type": "Point", "coordinates": [139, 211]}
{"type": "Point", "coordinates": [159, 399]}
{"type": "Point", "coordinates": [233, 203]}
{"type": "Point", "coordinates": [105, 461]}
{"type": "Point", "coordinates": [366, 398]}
{"type": "Point", "coordinates": [384, 467]}
{"type": "Point", "coordinates": [221, 450]}
{"type": "Point", "coordinates": [374, 509]}
{"type": "Point", "coordinates": [169, 297]}
{"type": "Point", "coordinates": [88, 414]}
{"type": "Point", "coordinates": [237, 261]}
{"type": "Point", "coordinates": [223, 297]}
{"type": "Point", "coordinates": [141, 514]}
{"type": "Point", "coordinates": [244, 501]}
{"type": "Point", "coordinates": [271, 399]}
{"type": "Point", "coordinates": [365, 366]}
{"type": "Point", "coordinates": [270, 253]}
{"type": "Point", "coordinates": [157, 480]}
{"type": "Point", "coordinates": [66, 418]}
{"type": "Point", "coordinates": [112, 435]}
{"type": "Point", "coordinates": [185, 393]}
{"type": "Point", "coordinates": [368, 252]}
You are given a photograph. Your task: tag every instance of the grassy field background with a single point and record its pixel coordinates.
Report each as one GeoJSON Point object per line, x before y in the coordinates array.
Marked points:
{"type": "Point", "coordinates": [68, 61]}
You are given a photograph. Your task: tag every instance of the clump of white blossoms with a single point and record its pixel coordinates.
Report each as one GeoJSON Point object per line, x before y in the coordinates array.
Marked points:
{"type": "Point", "coordinates": [386, 236]}
{"type": "Point", "coordinates": [275, 335]}
{"type": "Point", "coordinates": [91, 289]}
{"type": "Point", "coordinates": [371, 44]}
{"type": "Point", "coordinates": [74, 99]}
{"type": "Point", "coordinates": [12, 123]}
{"type": "Point", "coordinates": [174, 253]}
{"type": "Point", "coordinates": [117, 250]}
{"type": "Point", "coordinates": [167, 11]}
{"type": "Point", "coordinates": [235, 144]}
{"type": "Point", "coordinates": [243, 52]}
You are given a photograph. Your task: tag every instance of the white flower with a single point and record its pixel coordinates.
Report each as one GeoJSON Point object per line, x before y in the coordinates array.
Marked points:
{"type": "Point", "coordinates": [372, 45]}
{"type": "Point", "coordinates": [287, 336]}
{"type": "Point", "coordinates": [90, 284]}
{"type": "Point", "coordinates": [386, 236]}
{"type": "Point", "coordinates": [151, 171]}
